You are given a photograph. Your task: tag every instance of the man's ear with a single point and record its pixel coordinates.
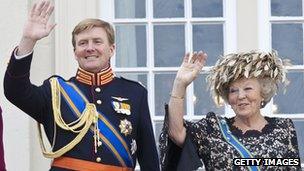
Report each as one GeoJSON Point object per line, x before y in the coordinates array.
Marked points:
{"type": "Point", "coordinates": [75, 56]}
{"type": "Point", "coordinates": [112, 49]}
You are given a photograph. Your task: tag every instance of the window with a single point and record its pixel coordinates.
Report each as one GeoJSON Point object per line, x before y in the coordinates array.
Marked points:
{"type": "Point", "coordinates": [282, 29]}
{"type": "Point", "coordinates": [152, 36]}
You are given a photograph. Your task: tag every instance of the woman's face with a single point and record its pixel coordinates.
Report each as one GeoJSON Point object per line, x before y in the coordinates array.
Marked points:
{"type": "Point", "coordinates": [245, 98]}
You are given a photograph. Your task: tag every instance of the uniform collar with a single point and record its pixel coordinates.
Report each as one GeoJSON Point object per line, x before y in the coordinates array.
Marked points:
{"type": "Point", "coordinates": [95, 79]}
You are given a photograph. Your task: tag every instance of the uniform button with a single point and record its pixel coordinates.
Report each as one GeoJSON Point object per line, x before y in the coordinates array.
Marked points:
{"type": "Point", "coordinates": [98, 102]}
{"type": "Point", "coordinates": [97, 89]}
{"type": "Point", "coordinates": [98, 159]}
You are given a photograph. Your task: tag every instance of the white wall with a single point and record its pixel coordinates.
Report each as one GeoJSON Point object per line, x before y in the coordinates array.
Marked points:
{"type": "Point", "coordinates": [247, 25]}
{"type": "Point", "coordinates": [22, 150]}
{"type": "Point", "coordinates": [16, 124]}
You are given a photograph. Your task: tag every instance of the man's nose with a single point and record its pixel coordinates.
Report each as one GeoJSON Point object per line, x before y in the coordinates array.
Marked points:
{"type": "Point", "coordinates": [90, 47]}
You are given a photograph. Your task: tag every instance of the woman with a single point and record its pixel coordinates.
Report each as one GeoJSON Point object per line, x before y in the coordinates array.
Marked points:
{"type": "Point", "coordinates": [245, 81]}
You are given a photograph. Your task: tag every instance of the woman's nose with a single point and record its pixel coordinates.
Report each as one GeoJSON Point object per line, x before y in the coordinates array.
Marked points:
{"type": "Point", "coordinates": [241, 94]}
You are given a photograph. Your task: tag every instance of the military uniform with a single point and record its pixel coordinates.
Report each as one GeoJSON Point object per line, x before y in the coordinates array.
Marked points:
{"type": "Point", "coordinates": [121, 102]}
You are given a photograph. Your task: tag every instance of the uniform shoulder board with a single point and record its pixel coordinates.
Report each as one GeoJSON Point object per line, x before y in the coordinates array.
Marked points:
{"type": "Point", "coordinates": [137, 82]}
{"type": "Point", "coordinates": [58, 77]}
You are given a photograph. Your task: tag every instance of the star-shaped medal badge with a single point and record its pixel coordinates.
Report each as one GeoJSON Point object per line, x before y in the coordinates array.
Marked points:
{"type": "Point", "coordinates": [125, 127]}
{"type": "Point", "coordinates": [133, 146]}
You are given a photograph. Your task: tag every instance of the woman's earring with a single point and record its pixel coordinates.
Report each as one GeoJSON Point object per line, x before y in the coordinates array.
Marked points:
{"type": "Point", "coordinates": [263, 103]}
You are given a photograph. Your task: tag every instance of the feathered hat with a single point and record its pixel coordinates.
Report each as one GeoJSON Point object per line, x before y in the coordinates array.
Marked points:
{"type": "Point", "coordinates": [253, 64]}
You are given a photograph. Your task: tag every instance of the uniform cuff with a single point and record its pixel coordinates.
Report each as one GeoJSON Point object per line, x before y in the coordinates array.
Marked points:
{"type": "Point", "coordinates": [21, 56]}
{"type": "Point", "coordinates": [19, 67]}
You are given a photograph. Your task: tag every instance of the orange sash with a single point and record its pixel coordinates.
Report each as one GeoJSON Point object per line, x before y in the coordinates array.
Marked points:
{"type": "Point", "coordinates": [83, 165]}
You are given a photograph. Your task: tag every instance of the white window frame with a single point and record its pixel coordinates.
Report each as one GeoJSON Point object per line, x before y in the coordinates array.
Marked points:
{"type": "Point", "coordinates": [264, 42]}
{"type": "Point", "coordinates": [230, 44]}
{"type": "Point", "coordinates": [264, 38]}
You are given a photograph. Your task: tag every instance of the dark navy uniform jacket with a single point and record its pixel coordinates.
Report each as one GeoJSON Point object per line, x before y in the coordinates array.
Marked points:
{"type": "Point", "coordinates": [36, 102]}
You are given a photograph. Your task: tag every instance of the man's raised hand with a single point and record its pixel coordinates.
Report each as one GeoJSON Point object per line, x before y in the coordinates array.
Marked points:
{"type": "Point", "coordinates": [37, 25]}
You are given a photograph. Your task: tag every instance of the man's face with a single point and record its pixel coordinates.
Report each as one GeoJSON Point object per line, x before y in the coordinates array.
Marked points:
{"type": "Point", "coordinates": [93, 50]}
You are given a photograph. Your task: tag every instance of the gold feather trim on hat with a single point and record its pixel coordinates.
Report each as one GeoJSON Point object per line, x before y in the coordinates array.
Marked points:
{"type": "Point", "coordinates": [253, 64]}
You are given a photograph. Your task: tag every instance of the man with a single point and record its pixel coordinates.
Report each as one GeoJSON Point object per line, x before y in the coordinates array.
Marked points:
{"type": "Point", "coordinates": [94, 121]}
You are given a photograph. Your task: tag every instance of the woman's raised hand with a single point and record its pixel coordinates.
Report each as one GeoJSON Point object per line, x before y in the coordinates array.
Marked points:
{"type": "Point", "coordinates": [37, 25]}
{"type": "Point", "coordinates": [188, 71]}
{"type": "Point", "coordinates": [190, 68]}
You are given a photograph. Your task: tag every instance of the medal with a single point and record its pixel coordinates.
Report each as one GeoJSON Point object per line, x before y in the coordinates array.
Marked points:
{"type": "Point", "coordinates": [120, 107]}
{"type": "Point", "coordinates": [125, 127]}
{"type": "Point", "coordinates": [133, 146]}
